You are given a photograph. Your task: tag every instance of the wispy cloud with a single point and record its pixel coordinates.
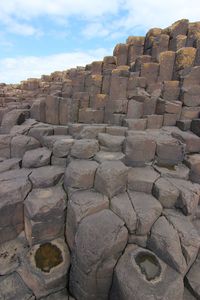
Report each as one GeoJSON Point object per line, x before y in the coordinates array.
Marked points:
{"type": "Point", "coordinates": [13, 70]}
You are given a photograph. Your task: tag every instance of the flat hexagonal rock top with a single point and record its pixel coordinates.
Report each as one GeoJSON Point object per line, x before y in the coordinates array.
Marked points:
{"type": "Point", "coordinates": [46, 176]}
{"type": "Point", "coordinates": [45, 203]}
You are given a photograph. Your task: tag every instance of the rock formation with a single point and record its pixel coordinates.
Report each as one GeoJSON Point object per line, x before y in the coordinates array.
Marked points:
{"type": "Point", "coordinates": [100, 176]}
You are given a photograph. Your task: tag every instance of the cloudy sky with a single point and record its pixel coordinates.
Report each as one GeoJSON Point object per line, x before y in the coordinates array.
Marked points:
{"type": "Point", "coordinates": [40, 36]}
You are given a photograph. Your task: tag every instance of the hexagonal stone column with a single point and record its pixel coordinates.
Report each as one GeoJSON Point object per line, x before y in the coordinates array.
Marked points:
{"type": "Point", "coordinates": [44, 267]}
{"type": "Point", "coordinates": [111, 178]}
{"type": "Point", "coordinates": [140, 275]}
{"type": "Point", "coordinates": [44, 211]}
{"type": "Point", "coordinates": [99, 242]}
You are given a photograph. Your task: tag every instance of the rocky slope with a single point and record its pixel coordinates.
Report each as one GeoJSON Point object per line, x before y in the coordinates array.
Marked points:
{"type": "Point", "coordinates": [100, 176]}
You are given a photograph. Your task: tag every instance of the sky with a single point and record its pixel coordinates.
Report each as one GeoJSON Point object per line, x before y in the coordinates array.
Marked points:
{"type": "Point", "coordinates": [42, 36]}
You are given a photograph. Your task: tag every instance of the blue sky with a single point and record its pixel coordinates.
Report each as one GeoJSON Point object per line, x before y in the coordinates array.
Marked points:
{"type": "Point", "coordinates": [40, 36]}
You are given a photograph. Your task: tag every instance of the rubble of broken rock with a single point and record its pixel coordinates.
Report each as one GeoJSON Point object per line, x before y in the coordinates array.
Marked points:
{"type": "Point", "coordinates": [100, 176]}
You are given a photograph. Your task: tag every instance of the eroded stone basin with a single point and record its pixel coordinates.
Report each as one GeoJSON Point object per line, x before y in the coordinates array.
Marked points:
{"type": "Point", "coordinates": [47, 257]}
{"type": "Point", "coordinates": [149, 265]}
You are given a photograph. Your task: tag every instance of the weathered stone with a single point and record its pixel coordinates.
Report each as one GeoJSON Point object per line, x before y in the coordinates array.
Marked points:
{"type": "Point", "coordinates": [183, 125]}
{"type": "Point", "coordinates": [21, 143]}
{"type": "Point", "coordinates": [185, 58]}
{"type": "Point", "coordinates": [80, 205]}
{"type": "Point", "coordinates": [166, 60]}
{"type": "Point", "coordinates": [164, 241]}
{"type": "Point", "coordinates": [166, 193]}
{"type": "Point", "coordinates": [116, 130]}
{"type": "Point", "coordinates": [139, 149]}
{"type": "Point", "coordinates": [178, 27]}
{"type": "Point", "coordinates": [39, 132]}
{"type": "Point", "coordinates": [61, 295]}
{"type": "Point", "coordinates": [142, 179]}
{"type": "Point", "coordinates": [153, 279]}
{"type": "Point", "coordinates": [169, 152]}
{"type": "Point", "coordinates": [170, 107]}
{"type": "Point", "coordinates": [189, 113]}
{"type": "Point", "coordinates": [178, 42]}
{"type": "Point", "coordinates": [111, 178]}
{"type": "Point", "coordinates": [140, 60]}
{"type": "Point", "coordinates": [192, 78]}
{"type": "Point", "coordinates": [191, 96]}
{"type": "Point", "coordinates": [9, 254]}
{"type": "Point", "coordinates": [44, 214]}
{"type": "Point", "coordinates": [58, 161]}
{"type": "Point", "coordinates": [159, 45]}
{"type": "Point", "coordinates": [80, 174]}
{"type": "Point", "coordinates": [136, 124]}
{"type": "Point", "coordinates": [13, 285]}
{"type": "Point", "coordinates": [150, 71]}
{"type": "Point", "coordinates": [91, 131]}
{"type": "Point", "coordinates": [123, 208]}
{"type": "Point", "coordinates": [195, 126]}
{"type": "Point", "coordinates": [38, 110]}
{"type": "Point", "coordinates": [147, 209]}
{"type": "Point", "coordinates": [121, 53]}
{"type": "Point", "coordinates": [189, 237]}
{"type": "Point", "coordinates": [135, 47]}
{"type": "Point", "coordinates": [52, 110]}
{"type": "Point", "coordinates": [12, 195]}
{"type": "Point", "coordinates": [111, 143]}
{"type": "Point", "coordinates": [193, 162]}
{"type": "Point", "coordinates": [60, 130]}
{"type": "Point", "coordinates": [189, 195]}
{"type": "Point", "coordinates": [180, 171]}
{"type": "Point", "coordinates": [10, 164]}
{"type": "Point", "coordinates": [100, 101]}
{"type": "Point", "coordinates": [62, 147]}
{"type": "Point", "coordinates": [193, 278]}
{"type": "Point", "coordinates": [135, 109]}
{"type": "Point", "coordinates": [5, 145]}
{"type": "Point", "coordinates": [118, 87]}
{"type": "Point", "coordinates": [154, 121]}
{"type": "Point", "coordinates": [36, 158]}
{"type": "Point", "coordinates": [85, 148]}
{"type": "Point", "coordinates": [89, 116]}
{"type": "Point", "coordinates": [191, 141]}
{"type": "Point", "coordinates": [46, 176]}
{"type": "Point", "coordinates": [171, 90]}
{"type": "Point", "coordinates": [49, 141]}
{"type": "Point", "coordinates": [102, 156]}
{"type": "Point", "coordinates": [11, 118]}
{"type": "Point", "coordinates": [49, 275]}
{"type": "Point", "coordinates": [92, 270]}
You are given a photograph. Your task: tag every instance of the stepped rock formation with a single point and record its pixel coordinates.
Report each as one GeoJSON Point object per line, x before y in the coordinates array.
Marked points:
{"type": "Point", "coordinates": [100, 176]}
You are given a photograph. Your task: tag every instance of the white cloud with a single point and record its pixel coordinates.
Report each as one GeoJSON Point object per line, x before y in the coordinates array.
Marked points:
{"type": "Point", "coordinates": [145, 14]}
{"type": "Point", "coordinates": [13, 70]}
{"type": "Point", "coordinates": [158, 13]}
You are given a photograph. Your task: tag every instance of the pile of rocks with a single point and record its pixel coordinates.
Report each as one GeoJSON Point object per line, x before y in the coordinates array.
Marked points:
{"type": "Point", "coordinates": [108, 210]}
